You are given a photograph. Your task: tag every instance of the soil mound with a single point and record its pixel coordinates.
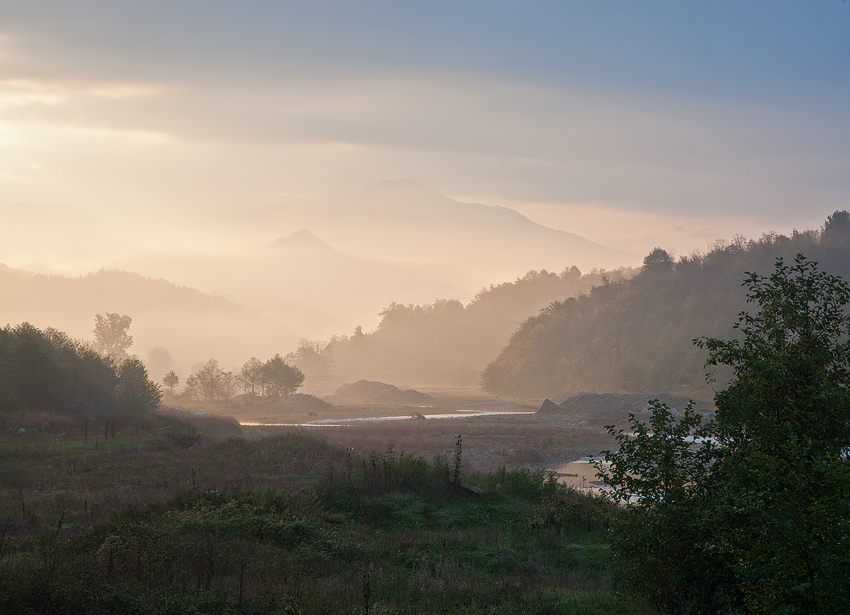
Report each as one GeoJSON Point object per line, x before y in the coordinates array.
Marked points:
{"type": "Point", "coordinates": [368, 392]}
{"type": "Point", "coordinates": [596, 408]}
{"type": "Point", "coordinates": [299, 402]}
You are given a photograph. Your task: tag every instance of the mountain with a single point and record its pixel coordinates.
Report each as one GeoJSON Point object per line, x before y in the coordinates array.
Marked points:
{"type": "Point", "coordinates": [349, 254]}
{"type": "Point", "coordinates": [189, 325]}
{"type": "Point", "coordinates": [298, 267]}
{"type": "Point", "coordinates": [304, 241]}
{"type": "Point", "coordinates": [352, 253]}
{"type": "Point", "coordinates": [404, 220]}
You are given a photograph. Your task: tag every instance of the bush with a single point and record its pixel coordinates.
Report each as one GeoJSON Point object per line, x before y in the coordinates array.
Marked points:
{"type": "Point", "coordinates": [752, 511]}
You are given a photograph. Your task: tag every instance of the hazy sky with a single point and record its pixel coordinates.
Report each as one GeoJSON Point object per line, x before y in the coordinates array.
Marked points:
{"type": "Point", "coordinates": [632, 123]}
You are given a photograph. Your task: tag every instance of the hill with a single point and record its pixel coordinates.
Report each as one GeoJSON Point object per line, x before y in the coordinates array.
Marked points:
{"type": "Point", "coordinates": [349, 253]}
{"type": "Point", "coordinates": [447, 343]}
{"type": "Point", "coordinates": [189, 325]}
{"type": "Point", "coordinates": [636, 335]}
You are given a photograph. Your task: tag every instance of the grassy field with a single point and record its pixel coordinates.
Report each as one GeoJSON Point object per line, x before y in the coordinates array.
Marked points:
{"type": "Point", "coordinates": [175, 516]}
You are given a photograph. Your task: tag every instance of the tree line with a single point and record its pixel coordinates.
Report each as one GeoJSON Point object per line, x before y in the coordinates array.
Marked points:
{"type": "Point", "coordinates": [634, 335]}
{"type": "Point", "coordinates": [447, 342]}
{"type": "Point", "coordinates": [257, 379]}
{"type": "Point", "coordinates": [46, 370]}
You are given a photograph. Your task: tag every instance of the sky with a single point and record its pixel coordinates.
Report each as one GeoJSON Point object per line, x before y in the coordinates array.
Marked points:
{"type": "Point", "coordinates": [634, 124]}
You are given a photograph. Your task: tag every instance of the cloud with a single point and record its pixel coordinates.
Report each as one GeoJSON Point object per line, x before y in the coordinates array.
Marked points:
{"type": "Point", "coordinates": [674, 111]}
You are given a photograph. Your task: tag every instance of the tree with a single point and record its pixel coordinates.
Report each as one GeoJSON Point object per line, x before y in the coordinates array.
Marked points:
{"type": "Point", "coordinates": [836, 229]}
{"type": "Point", "coordinates": [759, 516]}
{"type": "Point", "coordinates": [171, 381]}
{"type": "Point", "coordinates": [211, 383]}
{"type": "Point", "coordinates": [31, 377]}
{"type": "Point", "coordinates": [136, 393]}
{"type": "Point", "coordinates": [658, 260]}
{"type": "Point", "coordinates": [250, 378]}
{"type": "Point", "coordinates": [314, 358]}
{"type": "Point", "coordinates": [111, 337]}
{"type": "Point", "coordinates": [280, 378]}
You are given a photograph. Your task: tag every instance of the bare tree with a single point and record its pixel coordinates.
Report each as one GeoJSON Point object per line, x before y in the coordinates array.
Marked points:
{"type": "Point", "coordinates": [211, 383]}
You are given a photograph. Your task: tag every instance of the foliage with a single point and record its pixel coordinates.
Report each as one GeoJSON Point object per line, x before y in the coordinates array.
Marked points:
{"type": "Point", "coordinates": [111, 337]}
{"type": "Point", "coordinates": [314, 358]}
{"type": "Point", "coordinates": [272, 378]}
{"type": "Point", "coordinates": [750, 513]}
{"type": "Point", "coordinates": [635, 335]}
{"type": "Point", "coordinates": [280, 378]}
{"type": "Point", "coordinates": [171, 381]}
{"type": "Point", "coordinates": [136, 393]}
{"type": "Point", "coordinates": [210, 383]}
{"type": "Point", "coordinates": [48, 371]}
{"type": "Point", "coordinates": [449, 342]}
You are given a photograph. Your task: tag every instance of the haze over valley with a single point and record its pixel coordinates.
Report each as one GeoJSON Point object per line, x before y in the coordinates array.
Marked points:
{"type": "Point", "coordinates": [441, 307]}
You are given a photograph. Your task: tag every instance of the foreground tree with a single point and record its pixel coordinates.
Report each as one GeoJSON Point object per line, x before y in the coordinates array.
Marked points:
{"type": "Point", "coordinates": [49, 371]}
{"type": "Point", "coordinates": [137, 394]}
{"type": "Point", "coordinates": [750, 513]}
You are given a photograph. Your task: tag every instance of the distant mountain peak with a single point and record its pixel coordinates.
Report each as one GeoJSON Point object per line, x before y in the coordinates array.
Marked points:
{"type": "Point", "coordinates": [302, 239]}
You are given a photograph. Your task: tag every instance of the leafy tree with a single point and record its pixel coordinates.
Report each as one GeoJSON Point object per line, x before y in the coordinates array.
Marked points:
{"type": "Point", "coordinates": [136, 393]}
{"type": "Point", "coordinates": [111, 337]}
{"type": "Point", "coordinates": [31, 378]}
{"type": "Point", "coordinates": [47, 370]}
{"type": "Point", "coordinates": [280, 378]}
{"type": "Point", "coordinates": [658, 260]}
{"type": "Point", "coordinates": [314, 358]}
{"type": "Point", "coordinates": [661, 477]}
{"type": "Point", "coordinates": [753, 515]}
{"type": "Point", "coordinates": [171, 381]}
{"type": "Point", "coordinates": [836, 229]}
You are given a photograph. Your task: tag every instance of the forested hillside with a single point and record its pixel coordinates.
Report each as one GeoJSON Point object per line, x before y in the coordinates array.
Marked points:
{"type": "Point", "coordinates": [448, 343]}
{"type": "Point", "coordinates": [636, 335]}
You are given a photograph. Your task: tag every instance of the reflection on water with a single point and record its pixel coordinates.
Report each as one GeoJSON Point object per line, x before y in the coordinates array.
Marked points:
{"type": "Point", "coordinates": [376, 419]}
{"type": "Point", "coordinates": [580, 474]}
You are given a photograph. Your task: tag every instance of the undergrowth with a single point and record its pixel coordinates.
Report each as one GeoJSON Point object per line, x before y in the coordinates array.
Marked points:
{"type": "Point", "coordinates": [291, 524]}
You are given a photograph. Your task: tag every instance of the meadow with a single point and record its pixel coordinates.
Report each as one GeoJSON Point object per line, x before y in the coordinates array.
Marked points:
{"type": "Point", "coordinates": [173, 514]}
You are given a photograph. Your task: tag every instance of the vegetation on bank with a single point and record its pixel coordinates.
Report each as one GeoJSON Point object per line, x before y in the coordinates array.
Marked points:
{"type": "Point", "coordinates": [634, 335]}
{"type": "Point", "coordinates": [286, 524]}
{"type": "Point", "coordinates": [447, 342]}
{"type": "Point", "coordinates": [749, 513]}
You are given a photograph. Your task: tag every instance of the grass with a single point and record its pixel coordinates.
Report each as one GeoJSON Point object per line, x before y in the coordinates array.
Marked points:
{"type": "Point", "coordinates": [285, 524]}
